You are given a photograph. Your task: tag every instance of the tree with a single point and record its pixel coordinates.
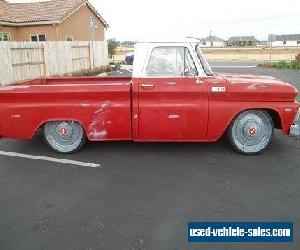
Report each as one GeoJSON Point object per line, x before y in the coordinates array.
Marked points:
{"type": "Point", "coordinates": [297, 58]}
{"type": "Point", "coordinates": [112, 45]}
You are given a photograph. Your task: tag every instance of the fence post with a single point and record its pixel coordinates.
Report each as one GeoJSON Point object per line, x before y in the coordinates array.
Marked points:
{"type": "Point", "coordinates": [92, 54]}
{"type": "Point", "coordinates": [43, 69]}
{"type": "Point", "coordinates": [6, 69]}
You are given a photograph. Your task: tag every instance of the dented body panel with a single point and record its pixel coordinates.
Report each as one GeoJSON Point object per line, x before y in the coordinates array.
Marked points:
{"type": "Point", "coordinates": [101, 105]}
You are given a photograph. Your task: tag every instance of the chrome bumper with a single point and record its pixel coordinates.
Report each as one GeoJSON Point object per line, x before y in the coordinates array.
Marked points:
{"type": "Point", "coordinates": [295, 130]}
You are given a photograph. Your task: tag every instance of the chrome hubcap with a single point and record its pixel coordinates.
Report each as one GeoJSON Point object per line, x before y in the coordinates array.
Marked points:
{"type": "Point", "coordinates": [252, 132]}
{"type": "Point", "coordinates": [64, 136]}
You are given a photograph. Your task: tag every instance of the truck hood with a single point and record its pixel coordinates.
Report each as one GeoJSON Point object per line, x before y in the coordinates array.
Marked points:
{"type": "Point", "coordinates": [259, 88]}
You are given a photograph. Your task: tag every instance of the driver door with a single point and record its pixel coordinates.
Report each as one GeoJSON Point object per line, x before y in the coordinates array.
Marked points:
{"type": "Point", "coordinates": [173, 105]}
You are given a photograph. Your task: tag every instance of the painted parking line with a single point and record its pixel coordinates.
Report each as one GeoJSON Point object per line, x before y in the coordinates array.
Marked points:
{"type": "Point", "coordinates": [50, 159]}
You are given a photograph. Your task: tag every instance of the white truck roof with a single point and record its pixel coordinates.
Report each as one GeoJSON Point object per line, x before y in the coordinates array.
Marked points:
{"type": "Point", "coordinates": [143, 50]}
{"type": "Point", "coordinates": [184, 40]}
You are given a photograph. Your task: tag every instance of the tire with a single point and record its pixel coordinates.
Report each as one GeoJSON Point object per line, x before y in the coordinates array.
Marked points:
{"type": "Point", "coordinates": [64, 137]}
{"type": "Point", "coordinates": [251, 132]}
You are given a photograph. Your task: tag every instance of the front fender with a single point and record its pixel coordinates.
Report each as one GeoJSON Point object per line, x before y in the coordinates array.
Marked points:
{"type": "Point", "coordinates": [221, 114]}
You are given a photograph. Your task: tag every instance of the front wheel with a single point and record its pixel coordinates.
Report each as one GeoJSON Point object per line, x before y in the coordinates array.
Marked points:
{"type": "Point", "coordinates": [64, 136]}
{"type": "Point", "coordinates": [251, 132]}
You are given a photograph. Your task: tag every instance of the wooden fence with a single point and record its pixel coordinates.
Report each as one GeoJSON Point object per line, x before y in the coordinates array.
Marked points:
{"type": "Point", "coordinates": [21, 61]}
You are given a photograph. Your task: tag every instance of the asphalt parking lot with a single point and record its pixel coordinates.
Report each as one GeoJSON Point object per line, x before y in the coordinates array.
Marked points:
{"type": "Point", "coordinates": [142, 195]}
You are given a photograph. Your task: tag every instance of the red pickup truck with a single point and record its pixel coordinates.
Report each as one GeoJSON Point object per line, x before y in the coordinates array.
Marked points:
{"type": "Point", "coordinates": [173, 96]}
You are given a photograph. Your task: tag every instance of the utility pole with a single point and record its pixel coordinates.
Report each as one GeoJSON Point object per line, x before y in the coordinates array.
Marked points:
{"type": "Point", "coordinates": [93, 33]}
{"type": "Point", "coordinates": [271, 44]}
{"type": "Point", "coordinates": [271, 40]}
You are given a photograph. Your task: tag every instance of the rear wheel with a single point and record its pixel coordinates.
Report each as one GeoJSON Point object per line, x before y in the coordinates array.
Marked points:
{"type": "Point", "coordinates": [251, 132]}
{"type": "Point", "coordinates": [64, 136]}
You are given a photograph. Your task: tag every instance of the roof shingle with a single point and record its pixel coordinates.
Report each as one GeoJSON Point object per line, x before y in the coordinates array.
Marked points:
{"type": "Point", "coordinates": [51, 11]}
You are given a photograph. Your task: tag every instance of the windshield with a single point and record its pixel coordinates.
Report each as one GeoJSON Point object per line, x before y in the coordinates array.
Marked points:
{"type": "Point", "coordinates": [207, 69]}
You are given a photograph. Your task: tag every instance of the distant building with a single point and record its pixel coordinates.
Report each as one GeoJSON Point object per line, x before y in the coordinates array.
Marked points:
{"type": "Point", "coordinates": [242, 41]}
{"type": "Point", "coordinates": [52, 20]}
{"type": "Point", "coordinates": [212, 41]}
{"type": "Point", "coordinates": [285, 40]}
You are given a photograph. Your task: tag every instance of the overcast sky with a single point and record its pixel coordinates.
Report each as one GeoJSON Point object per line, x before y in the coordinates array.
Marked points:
{"type": "Point", "coordinates": [171, 19]}
{"type": "Point", "coordinates": [138, 19]}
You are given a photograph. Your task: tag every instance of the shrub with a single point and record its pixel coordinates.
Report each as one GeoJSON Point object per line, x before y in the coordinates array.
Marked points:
{"type": "Point", "coordinates": [112, 46]}
{"type": "Point", "coordinates": [295, 64]}
{"type": "Point", "coordinates": [283, 64]}
{"type": "Point", "coordinates": [94, 72]}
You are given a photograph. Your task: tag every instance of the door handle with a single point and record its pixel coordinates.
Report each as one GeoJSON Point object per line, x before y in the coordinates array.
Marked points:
{"type": "Point", "coordinates": [147, 86]}
{"type": "Point", "coordinates": [199, 81]}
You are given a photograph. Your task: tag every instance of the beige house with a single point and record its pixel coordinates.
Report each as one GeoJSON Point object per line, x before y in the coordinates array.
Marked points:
{"type": "Point", "coordinates": [54, 20]}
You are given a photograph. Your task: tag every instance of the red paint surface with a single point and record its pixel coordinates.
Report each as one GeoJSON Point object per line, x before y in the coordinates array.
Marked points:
{"type": "Point", "coordinates": [174, 109]}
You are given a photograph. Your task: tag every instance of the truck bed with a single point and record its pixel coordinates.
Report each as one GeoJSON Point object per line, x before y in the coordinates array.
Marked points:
{"type": "Point", "coordinates": [101, 104]}
{"type": "Point", "coordinates": [76, 80]}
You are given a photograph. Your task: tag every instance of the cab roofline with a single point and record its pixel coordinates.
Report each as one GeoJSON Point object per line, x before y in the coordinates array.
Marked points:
{"type": "Point", "coordinates": [186, 40]}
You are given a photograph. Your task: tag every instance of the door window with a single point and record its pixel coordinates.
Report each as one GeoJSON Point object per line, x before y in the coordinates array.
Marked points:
{"type": "Point", "coordinates": [190, 67]}
{"type": "Point", "coordinates": [171, 61]}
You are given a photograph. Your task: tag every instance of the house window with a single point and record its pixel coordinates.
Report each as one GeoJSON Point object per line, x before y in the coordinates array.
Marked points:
{"type": "Point", "coordinates": [70, 39]}
{"type": "Point", "coordinates": [204, 43]}
{"type": "Point", "coordinates": [298, 42]}
{"type": "Point", "coordinates": [4, 36]}
{"type": "Point", "coordinates": [38, 38]}
{"type": "Point", "coordinates": [284, 42]}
